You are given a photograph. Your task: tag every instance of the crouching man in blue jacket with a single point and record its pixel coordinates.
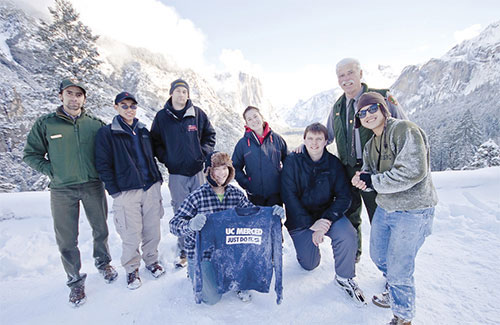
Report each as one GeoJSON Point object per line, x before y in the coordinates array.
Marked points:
{"type": "Point", "coordinates": [316, 195]}
{"type": "Point", "coordinates": [124, 160]}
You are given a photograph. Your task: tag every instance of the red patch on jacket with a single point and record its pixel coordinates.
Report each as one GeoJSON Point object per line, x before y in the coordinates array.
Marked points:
{"type": "Point", "coordinates": [192, 128]}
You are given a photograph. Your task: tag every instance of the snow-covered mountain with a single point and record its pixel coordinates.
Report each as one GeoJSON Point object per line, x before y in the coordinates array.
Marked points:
{"type": "Point", "coordinates": [27, 91]}
{"type": "Point", "coordinates": [438, 93]}
{"type": "Point", "coordinates": [436, 96]}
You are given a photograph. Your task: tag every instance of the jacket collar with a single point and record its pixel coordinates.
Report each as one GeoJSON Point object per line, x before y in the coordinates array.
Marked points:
{"type": "Point", "coordinates": [116, 126]}
{"type": "Point", "coordinates": [189, 112]}
{"type": "Point", "coordinates": [62, 114]}
{"type": "Point", "coordinates": [309, 161]}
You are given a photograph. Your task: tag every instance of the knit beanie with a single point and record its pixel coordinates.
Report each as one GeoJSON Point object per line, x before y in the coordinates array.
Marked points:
{"type": "Point", "coordinates": [368, 99]}
{"type": "Point", "coordinates": [217, 159]}
{"type": "Point", "coordinates": [178, 83]}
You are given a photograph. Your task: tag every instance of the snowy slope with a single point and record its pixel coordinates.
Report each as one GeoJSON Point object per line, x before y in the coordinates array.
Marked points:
{"type": "Point", "coordinates": [456, 274]}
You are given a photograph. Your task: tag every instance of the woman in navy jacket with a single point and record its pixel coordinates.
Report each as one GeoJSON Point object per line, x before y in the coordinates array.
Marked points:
{"type": "Point", "coordinates": [258, 158]}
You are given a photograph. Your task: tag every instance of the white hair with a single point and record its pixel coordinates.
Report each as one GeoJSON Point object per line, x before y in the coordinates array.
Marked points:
{"type": "Point", "coordinates": [348, 61]}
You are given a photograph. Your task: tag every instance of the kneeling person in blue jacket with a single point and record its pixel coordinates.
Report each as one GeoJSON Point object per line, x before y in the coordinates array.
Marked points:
{"type": "Point", "coordinates": [125, 162]}
{"type": "Point", "coordinates": [213, 196]}
{"type": "Point", "coordinates": [316, 195]}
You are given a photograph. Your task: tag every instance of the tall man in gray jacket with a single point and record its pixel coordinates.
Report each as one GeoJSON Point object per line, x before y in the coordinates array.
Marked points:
{"type": "Point", "coordinates": [397, 166]}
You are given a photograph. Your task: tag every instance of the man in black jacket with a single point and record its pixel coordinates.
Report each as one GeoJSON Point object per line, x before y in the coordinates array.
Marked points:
{"type": "Point", "coordinates": [316, 196]}
{"type": "Point", "coordinates": [182, 137]}
{"type": "Point", "coordinates": [125, 162]}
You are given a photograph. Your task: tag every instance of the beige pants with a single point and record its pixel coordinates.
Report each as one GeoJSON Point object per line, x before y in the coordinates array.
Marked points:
{"type": "Point", "coordinates": [137, 216]}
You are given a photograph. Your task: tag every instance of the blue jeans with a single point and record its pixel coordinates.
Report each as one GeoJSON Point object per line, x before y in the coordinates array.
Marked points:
{"type": "Point", "coordinates": [395, 240]}
{"type": "Point", "coordinates": [344, 245]}
{"type": "Point", "coordinates": [209, 293]}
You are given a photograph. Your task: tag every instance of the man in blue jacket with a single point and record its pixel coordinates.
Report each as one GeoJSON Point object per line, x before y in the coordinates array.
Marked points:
{"type": "Point", "coordinates": [125, 162]}
{"type": "Point", "coordinates": [182, 137]}
{"type": "Point", "coordinates": [316, 196]}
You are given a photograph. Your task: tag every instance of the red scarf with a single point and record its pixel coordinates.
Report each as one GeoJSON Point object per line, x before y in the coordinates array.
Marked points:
{"type": "Point", "coordinates": [267, 129]}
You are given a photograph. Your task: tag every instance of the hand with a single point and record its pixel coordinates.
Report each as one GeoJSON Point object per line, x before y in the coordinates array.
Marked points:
{"type": "Point", "coordinates": [317, 237]}
{"type": "Point", "coordinates": [357, 182]}
{"type": "Point", "coordinates": [322, 225]}
{"type": "Point", "coordinates": [298, 149]}
{"type": "Point", "coordinates": [197, 223]}
{"type": "Point", "coordinates": [279, 211]}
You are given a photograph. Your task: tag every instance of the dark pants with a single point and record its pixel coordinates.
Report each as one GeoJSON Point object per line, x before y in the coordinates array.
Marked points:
{"type": "Point", "coordinates": [65, 206]}
{"type": "Point", "coordinates": [354, 212]}
{"type": "Point", "coordinates": [343, 236]}
{"type": "Point", "coordinates": [274, 199]}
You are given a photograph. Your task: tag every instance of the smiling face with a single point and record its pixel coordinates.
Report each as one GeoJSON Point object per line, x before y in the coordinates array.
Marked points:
{"type": "Point", "coordinates": [315, 143]}
{"type": "Point", "coordinates": [349, 78]}
{"type": "Point", "coordinates": [220, 174]}
{"type": "Point", "coordinates": [73, 99]}
{"type": "Point", "coordinates": [124, 108]}
{"type": "Point", "coordinates": [373, 121]}
{"type": "Point", "coordinates": [254, 121]}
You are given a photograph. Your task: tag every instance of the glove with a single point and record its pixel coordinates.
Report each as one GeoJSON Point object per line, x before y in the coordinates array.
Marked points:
{"type": "Point", "coordinates": [367, 178]}
{"type": "Point", "coordinates": [279, 211]}
{"type": "Point", "coordinates": [197, 223]}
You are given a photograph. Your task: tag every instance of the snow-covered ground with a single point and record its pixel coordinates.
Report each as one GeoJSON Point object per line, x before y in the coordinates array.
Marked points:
{"type": "Point", "coordinates": [457, 272]}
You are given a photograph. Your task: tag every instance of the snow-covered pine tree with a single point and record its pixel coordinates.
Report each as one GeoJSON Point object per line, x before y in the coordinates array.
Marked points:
{"type": "Point", "coordinates": [465, 140]}
{"type": "Point", "coordinates": [73, 52]}
{"type": "Point", "coordinates": [487, 155]}
{"type": "Point", "coordinates": [71, 44]}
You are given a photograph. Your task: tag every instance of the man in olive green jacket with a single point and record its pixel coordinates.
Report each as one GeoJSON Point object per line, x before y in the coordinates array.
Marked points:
{"type": "Point", "coordinates": [61, 146]}
{"type": "Point", "coordinates": [349, 140]}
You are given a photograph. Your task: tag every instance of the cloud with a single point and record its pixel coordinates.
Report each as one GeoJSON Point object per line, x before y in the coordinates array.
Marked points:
{"type": "Point", "coordinates": [467, 33]}
{"type": "Point", "coordinates": [146, 23]}
{"type": "Point", "coordinates": [234, 61]}
{"type": "Point", "coordinates": [285, 88]}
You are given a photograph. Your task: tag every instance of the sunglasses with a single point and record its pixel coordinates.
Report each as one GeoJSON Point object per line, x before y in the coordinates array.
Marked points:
{"type": "Point", "coordinates": [372, 109]}
{"type": "Point", "coordinates": [124, 106]}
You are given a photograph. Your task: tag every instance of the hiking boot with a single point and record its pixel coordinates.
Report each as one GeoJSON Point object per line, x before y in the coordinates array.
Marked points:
{"type": "Point", "coordinates": [156, 269]}
{"type": "Point", "coordinates": [109, 273]}
{"type": "Point", "coordinates": [181, 262]}
{"type": "Point", "coordinates": [244, 295]}
{"type": "Point", "coordinates": [77, 296]}
{"type": "Point", "coordinates": [133, 280]}
{"type": "Point", "coordinates": [350, 287]}
{"type": "Point", "coordinates": [399, 321]}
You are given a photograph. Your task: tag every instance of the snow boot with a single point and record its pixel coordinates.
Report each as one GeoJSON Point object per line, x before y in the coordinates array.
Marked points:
{"type": "Point", "coordinates": [156, 269]}
{"type": "Point", "coordinates": [181, 262]}
{"type": "Point", "coordinates": [77, 296]}
{"type": "Point", "coordinates": [350, 287]}
{"type": "Point", "coordinates": [109, 273]}
{"type": "Point", "coordinates": [133, 280]}
{"type": "Point", "coordinates": [399, 321]}
{"type": "Point", "coordinates": [244, 295]}
{"type": "Point", "coordinates": [382, 299]}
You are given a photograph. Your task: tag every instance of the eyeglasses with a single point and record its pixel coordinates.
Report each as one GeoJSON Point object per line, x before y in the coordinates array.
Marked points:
{"type": "Point", "coordinates": [125, 106]}
{"type": "Point", "coordinates": [372, 109]}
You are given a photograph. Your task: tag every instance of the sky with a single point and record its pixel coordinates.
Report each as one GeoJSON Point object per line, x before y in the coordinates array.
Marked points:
{"type": "Point", "coordinates": [292, 46]}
